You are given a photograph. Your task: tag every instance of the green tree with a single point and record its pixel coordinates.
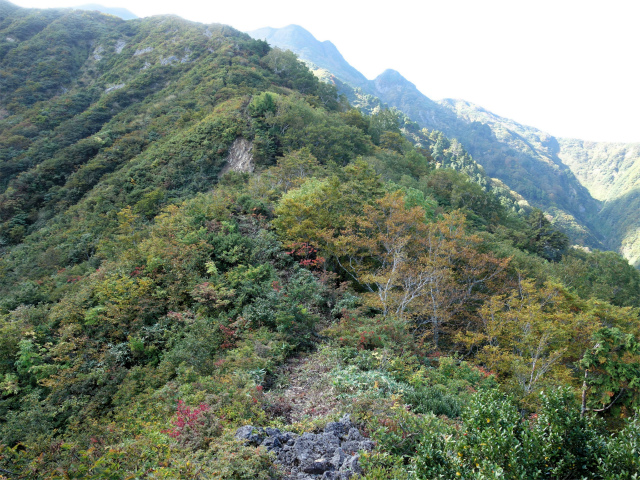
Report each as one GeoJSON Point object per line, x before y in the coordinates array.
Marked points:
{"type": "Point", "coordinates": [291, 171]}
{"type": "Point", "coordinates": [384, 121]}
{"type": "Point", "coordinates": [542, 239]}
{"type": "Point", "coordinates": [612, 371]}
{"type": "Point", "coordinates": [604, 275]}
{"type": "Point", "coordinates": [529, 336]}
{"type": "Point", "coordinates": [303, 213]}
{"type": "Point", "coordinates": [285, 64]}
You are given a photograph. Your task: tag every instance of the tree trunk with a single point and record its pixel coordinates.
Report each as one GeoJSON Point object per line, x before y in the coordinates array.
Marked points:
{"type": "Point", "coordinates": [583, 408]}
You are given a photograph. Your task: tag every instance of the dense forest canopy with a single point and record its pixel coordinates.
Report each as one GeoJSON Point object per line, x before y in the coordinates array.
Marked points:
{"type": "Point", "coordinates": [197, 235]}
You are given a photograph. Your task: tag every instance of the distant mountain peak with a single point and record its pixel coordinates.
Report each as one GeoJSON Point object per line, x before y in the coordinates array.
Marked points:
{"type": "Point", "coordinates": [293, 26]}
{"type": "Point", "coordinates": [390, 72]}
{"type": "Point", "coordinates": [123, 13]}
{"type": "Point", "coordinates": [323, 55]}
{"type": "Point", "coordinates": [392, 79]}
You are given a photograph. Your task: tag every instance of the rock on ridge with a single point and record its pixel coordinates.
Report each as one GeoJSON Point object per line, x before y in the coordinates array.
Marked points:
{"type": "Point", "coordinates": [330, 455]}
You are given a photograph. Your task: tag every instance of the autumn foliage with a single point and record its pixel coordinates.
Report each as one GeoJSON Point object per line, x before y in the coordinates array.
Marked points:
{"type": "Point", "coordinates": [151, 304]}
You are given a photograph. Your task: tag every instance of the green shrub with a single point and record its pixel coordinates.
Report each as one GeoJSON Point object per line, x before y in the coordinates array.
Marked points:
{"type": "Point", "coordinates": [569, 446]}
{"type": "Point", "coordinates": [494, 440]}
{"type": "Point", "coordinates": [621, 458]}
{"type": "Point", "coordinates": [382, 466]}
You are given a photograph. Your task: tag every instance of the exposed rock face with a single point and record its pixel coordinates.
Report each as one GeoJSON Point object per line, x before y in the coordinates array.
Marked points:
{"type": "Point", "coordinates": [329, 455]}
{"type": "Point", "coordinates": [114, 87]}
{"type": "Point", "coordinates": [169, 60]}
{"type": "Point", "coordinates": [240, 158]}
{"type": "Point", "coordinates": [142, 51]}
{"type": "Point", "coordinates": [120, 44]}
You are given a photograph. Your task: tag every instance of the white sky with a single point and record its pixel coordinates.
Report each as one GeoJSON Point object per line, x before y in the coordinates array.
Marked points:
{"type": "Point", "coordinates": [571, 68]}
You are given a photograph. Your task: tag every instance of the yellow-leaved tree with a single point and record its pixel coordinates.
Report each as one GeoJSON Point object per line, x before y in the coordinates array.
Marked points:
{"type": "Point", "coordinates": [428, 273]}
{"type": "Point", "coordinates": [532, 336]}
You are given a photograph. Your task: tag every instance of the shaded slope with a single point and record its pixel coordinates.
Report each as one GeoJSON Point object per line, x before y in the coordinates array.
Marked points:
{"type": "Point", "coordinates": [621, 221]}
{"type": "Point", "coordinates": [527, 160]}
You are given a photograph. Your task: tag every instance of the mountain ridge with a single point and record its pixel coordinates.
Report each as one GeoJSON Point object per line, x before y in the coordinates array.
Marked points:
{"type": "Point", "coordinates": [325, 53]}
{"type": "Point", "coordinates": [122, 13]}
{"type": "Point", "coordinates": [535, 164]}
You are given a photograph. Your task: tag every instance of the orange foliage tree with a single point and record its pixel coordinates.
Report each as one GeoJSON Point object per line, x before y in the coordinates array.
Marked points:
{"type": "Point", "coordinates": [427, 273]}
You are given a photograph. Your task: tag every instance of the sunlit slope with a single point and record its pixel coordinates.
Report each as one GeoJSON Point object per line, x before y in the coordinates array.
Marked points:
{"type": "Point", "coordinates": [98, 114]}
{"type": "Point", "coordinates": [84, 95]}
{"type": "Point", "coordinates": [524, 158]}
{"type": "Point", "coordinates": [611, 172]}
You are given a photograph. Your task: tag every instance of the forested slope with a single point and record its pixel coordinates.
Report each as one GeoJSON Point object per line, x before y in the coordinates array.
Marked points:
{"type": "Point", "coordinates": [199, 235]}
{"type": "Point", "coordinates": [523, 158]}
{"type": "Point", "coordinates": [611, 172]}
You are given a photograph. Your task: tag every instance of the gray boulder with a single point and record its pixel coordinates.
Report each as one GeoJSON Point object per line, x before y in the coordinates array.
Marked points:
{"type": "Point", "coordinates": [250, 435]}
{"type": "Point", "coordinates": [329, 455]}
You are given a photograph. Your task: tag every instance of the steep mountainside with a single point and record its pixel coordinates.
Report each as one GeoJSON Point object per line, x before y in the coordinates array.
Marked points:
{"type": "Point", "coordinates": [325, 54]}
{"type": "Point", "coordinates": [95, 111]}
{"type": "Point", "coordinates": [527, 160]}
{"type": "Point", "coordinates": [522, 157]}
{"type": "Point", "coordinates": [611, 172]}
{"type": "Point", "coordinates": [608, 170]}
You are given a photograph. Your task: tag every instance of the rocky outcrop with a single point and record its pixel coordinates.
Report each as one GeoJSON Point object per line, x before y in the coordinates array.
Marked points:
{"type": "Point", "coordinates": [240, 158]}
{"type": "Point", "coordinates": [114, 87]}
{"type": "Point", "coordinates": [331, 454]}
{"type": "Point", "coordinates": [169, 60]}
{"type": "Point", "coordinates": [142, 51]}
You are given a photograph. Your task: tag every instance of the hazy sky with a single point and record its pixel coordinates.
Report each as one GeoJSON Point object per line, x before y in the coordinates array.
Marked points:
{"type": "Point", "coordinates": [568, 67]}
